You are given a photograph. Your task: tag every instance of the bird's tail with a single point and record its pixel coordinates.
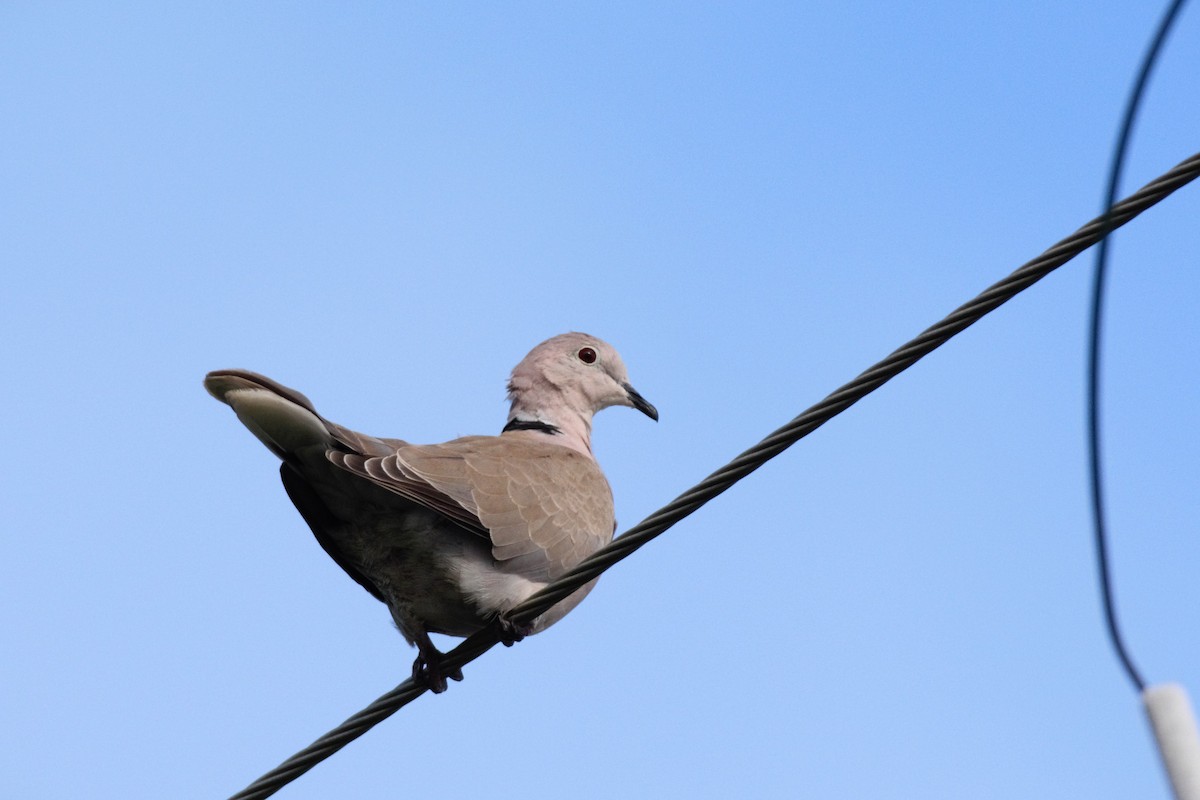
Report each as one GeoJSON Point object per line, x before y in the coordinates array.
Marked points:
{"type": "Point", "coordinates": [282, 418]}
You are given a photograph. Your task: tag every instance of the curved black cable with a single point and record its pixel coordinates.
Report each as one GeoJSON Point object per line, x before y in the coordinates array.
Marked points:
{"type": "Point", "coordinates": [1093, 394]}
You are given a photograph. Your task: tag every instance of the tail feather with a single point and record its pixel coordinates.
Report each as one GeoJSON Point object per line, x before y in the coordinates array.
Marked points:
{"type": "Point", "coordinates": [282, 418]}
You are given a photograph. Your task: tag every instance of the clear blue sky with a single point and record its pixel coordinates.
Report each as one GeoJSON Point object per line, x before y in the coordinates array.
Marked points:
{"type": "Point", "coordinates": [386, 205]}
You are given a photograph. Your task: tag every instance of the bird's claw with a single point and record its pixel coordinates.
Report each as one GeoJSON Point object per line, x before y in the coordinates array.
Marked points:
{"type": "Point", "coordinates": [511, 632]}
{"type": "Point", "coordinates": [433, 672]}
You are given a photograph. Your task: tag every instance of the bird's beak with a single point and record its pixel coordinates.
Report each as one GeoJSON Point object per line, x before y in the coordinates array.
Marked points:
{"type": "Point", "coordinates": [640, 403]}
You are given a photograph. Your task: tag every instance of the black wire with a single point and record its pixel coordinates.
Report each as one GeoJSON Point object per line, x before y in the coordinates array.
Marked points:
{"type": "Point", "coordinates": [1093, 396]}
{"type": "Point", "coordinates": [775, 443]}
{"type": "Point", "coordinates": [1114, 216]}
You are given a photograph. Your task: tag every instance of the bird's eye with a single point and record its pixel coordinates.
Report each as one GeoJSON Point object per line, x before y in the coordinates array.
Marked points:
{"type": "Point", "coordinates": [587, 355]}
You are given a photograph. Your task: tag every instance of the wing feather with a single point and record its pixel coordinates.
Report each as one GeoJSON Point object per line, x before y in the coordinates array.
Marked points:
{"type": "Point", "coordinates": [544, 507]}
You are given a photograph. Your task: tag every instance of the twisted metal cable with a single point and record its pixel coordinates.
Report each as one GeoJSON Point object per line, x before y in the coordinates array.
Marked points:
{"type": "Point", "coordinates": [716, 483]}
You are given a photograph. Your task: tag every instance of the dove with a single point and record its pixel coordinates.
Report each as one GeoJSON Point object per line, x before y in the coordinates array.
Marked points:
{"type": "Point", "coordinates": [451, 536]}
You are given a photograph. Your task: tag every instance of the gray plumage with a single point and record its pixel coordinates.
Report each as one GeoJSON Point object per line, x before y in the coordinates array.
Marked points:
{"type": "Point", "coordinates": [451, 536]}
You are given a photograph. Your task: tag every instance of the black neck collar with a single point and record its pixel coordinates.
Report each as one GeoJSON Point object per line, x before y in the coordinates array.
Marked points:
{"type": "Point", "coordinates": [530, 425]}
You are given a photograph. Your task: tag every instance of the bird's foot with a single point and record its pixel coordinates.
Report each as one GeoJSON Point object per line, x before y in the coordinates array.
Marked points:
{"type": "Point", "coordinates": [430, 669]}
{"type": "Point", "coordinates": [510, 632]}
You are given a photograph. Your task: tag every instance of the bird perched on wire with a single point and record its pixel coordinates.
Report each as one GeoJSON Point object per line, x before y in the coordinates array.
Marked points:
{"type": "Point", "coordinates": [451, 536]}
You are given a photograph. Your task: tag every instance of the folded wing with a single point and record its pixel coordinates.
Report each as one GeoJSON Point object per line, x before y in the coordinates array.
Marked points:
{"type": "Point", "coordinates": [543, 507]}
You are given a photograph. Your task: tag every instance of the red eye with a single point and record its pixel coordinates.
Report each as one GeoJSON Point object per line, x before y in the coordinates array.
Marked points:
{"type": "Point", "coordinates": [587, 355]}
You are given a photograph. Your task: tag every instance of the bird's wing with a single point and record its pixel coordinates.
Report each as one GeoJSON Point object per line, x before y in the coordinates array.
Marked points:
{"type": "Point", "coordinates": [544, 507]}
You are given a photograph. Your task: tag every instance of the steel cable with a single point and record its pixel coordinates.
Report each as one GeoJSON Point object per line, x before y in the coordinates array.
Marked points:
{"type": "Point", "coordinates": [716, 483]}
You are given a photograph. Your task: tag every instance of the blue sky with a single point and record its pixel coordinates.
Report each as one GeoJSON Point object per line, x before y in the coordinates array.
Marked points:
{"type": "Point", "coordinates": [387, 205]}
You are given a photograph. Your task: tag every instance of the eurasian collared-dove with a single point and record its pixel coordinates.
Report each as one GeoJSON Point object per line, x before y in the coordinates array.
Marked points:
{"type": "Point", "coordinates": [451, 536]}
